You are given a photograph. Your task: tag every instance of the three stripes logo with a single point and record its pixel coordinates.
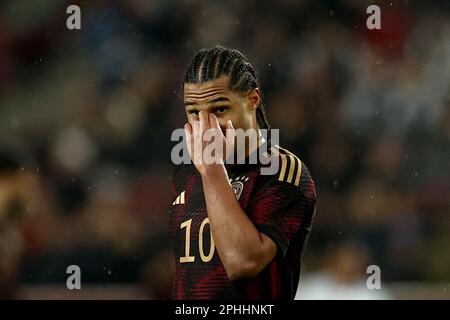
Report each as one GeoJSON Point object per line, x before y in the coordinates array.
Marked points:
{"type": "Point", "coordinates": [179, 199]}
{"type": "Point", "coordinates": [291, 166]}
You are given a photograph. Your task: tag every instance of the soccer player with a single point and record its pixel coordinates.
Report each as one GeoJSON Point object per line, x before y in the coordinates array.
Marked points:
{"type": "Point", "coordinates": [237, 234]}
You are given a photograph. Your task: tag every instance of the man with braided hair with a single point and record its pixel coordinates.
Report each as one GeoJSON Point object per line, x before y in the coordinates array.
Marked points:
{"type": "Point", "coordinates": [237, 233]}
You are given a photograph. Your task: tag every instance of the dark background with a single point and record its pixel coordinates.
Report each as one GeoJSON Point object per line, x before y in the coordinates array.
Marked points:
{"type": "Point", "coordinates": [86, 117]}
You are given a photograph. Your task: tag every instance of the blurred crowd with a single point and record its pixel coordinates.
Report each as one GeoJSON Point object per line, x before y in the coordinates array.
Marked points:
{"type": "Point", "coordinates": [86, 117]}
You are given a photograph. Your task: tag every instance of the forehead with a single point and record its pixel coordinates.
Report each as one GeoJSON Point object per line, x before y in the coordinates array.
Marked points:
{"type": "Point", "coordinates": [206, 89]}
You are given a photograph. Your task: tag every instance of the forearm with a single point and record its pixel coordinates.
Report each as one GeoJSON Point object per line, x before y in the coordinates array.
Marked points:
{"type": "Point", "coordinates": [244, 251]}
{"type": "Point", "coordinates": [239, 244]}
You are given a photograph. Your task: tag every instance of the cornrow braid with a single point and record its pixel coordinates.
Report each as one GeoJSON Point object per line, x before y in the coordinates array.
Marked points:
{"type": "Point", "coordinates": [210, 64]}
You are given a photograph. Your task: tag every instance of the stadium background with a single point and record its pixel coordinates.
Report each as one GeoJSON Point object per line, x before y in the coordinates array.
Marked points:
{"type": "Point", "coordinates": [86, 118]}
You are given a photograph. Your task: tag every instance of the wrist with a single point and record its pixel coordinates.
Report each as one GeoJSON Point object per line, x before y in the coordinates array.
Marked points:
{"type": "Point", "coordinates": [213, 171]}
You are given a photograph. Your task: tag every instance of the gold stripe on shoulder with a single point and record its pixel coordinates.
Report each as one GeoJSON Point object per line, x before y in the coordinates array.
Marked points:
{"type": "Point", "coordinates": [283, 167]}
{"type": "Point", "coordinates": [299, 173]}
{"type": "Point", "coordinates": [291, 168]}
{"type": "Point", "coordinates": [294, 159]}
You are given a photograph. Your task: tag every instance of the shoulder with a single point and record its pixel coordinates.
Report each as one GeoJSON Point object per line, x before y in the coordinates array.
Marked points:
{"type": "Point", "coordinates": [290, 170]}
{"type": "Point", "coordinates": [182, 170]}
{"type": "Point", "coordinates": [181, 173]}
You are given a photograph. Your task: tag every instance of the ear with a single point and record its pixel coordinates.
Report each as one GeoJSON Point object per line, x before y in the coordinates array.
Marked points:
{"type": "Point", "coordinates": [254, 98]}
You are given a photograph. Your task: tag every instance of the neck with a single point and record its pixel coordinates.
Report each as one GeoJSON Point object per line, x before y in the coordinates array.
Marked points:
{"type": "Point", "coordinates": [252, 147]}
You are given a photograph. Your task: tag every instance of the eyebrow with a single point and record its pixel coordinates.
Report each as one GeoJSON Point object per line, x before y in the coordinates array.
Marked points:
{"type": "Point", "coordinates": [218, 99]}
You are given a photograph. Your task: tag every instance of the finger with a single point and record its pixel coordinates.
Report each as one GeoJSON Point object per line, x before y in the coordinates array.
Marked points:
{"type": "Point", "coordinates": [204, 121]}
{"type": "Point", "coordinates": [197, 140]}
{"type": "Point", "coordinates": [230, 135]}
{"type": "Point", "coordinates": [188, 129]}
{"type": "Point", "coordinates": [230, 132]}
{"type": "Point", "coordinates": [195, 123]}
{"type": "Point", "coordinates": [194, 117]}
{"type": "Point", "coordinates": [195, 126]}
{"type": "Point", "coordinates": [188, 134]}
{"type": "Point", "coordinates": [214, 122]}
{"type": "Point", "coordinates": [221, 141]}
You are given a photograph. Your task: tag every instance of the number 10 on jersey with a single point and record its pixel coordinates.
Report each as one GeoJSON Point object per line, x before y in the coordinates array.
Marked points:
{"type": "Point", "coordinates": [187, 257]}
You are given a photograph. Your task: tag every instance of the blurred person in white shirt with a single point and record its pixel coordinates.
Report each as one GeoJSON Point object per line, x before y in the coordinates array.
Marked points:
{"type": "Point", "coordinates": [343, 277]}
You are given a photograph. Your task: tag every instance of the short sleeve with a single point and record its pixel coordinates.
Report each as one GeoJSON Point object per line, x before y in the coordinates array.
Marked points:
{"type": "Point", "coordinates": [280, 209]}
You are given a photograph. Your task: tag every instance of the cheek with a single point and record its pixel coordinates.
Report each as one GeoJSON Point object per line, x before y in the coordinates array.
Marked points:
{"type": "Point", "coordinates": [239, 113]}
{"type": "Point", "coordinates": [233, 116]}
{"type": "Point", "coordinates": [245, 116]}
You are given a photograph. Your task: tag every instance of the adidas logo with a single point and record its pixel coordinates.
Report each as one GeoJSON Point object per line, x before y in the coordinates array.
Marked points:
{"type": "Point", "coordinates": [179, 199]}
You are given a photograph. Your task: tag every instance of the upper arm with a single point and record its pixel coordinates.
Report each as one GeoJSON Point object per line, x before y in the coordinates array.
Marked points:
{"type": "Point", "coordinates": [269, 248]}
{"type": "Point", "coordinates": [281, 208]}
{"type": "Point", "coordinates": [262, 256]}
